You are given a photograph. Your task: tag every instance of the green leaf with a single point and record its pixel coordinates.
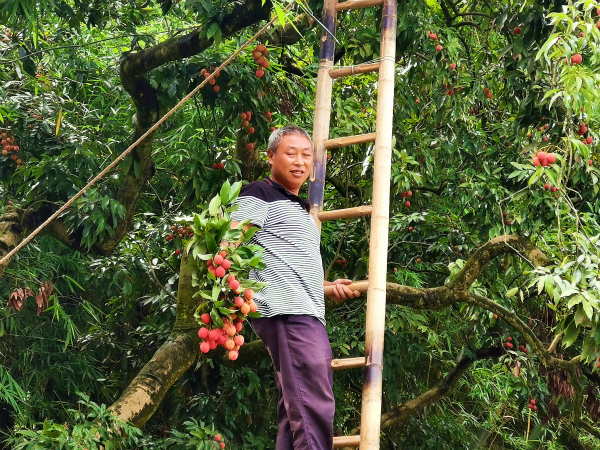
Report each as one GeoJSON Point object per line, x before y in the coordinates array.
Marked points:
{"type": "Point", "coordinates": [224, 194]}
{"type": "Point", "coordinates": [212, 30]}
{"type": "Point", "coordinates": [571, 334]}
{"type": "Point", "coordinates": [216, 319]}
{"type": "Point", "coordinates": [214, 205]}
{"type": "Point", "coordinates": [211, 244]}
{"type": "Point", "coordinates": [512, 292]}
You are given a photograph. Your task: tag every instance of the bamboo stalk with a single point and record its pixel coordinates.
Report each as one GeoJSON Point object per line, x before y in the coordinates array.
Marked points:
{"type": "Point", "coordinates": [346, 441]}
{"type": "Point", "coordinates": [348, 363]}
{"type": "Point", "coordinates": [372, 389]}
{"type": "Point", "coordinates": [355, 4]}
{"type": "Point", "coordinates": [336, 214]}
{"type": "Point", "coordinates": [316, 187]}
{"type": "Point", "coordinates": [354, 70]}
{"type": "Point", "coordinates": [350, 140]}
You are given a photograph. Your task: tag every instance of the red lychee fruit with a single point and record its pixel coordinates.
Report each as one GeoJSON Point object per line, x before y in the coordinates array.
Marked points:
{"type": "Point", "coordinates": [547, 186]}
{"type": "Point", "coordinates": [205, 318]}
{"type": "Point", "coordinates": [233, 355]}
{"type": "Point", "coordinates": [220, 272]}
{"type": "Point", "coordinates": [260, 73]}
{"type": "Point", "coordinates": [576, 59]}
{"type": "Point", "coordinates": [438, 47]}
{"type": "Point", "coordinates": [226, 264]}
{"type": "Point", "coordinates": [203, 333]}
{"type": "Point", "coordinates": [205, 347]}
{"type": "Point", "coordinates": [407, 204]}
{"type": "Point", "coordinates": [250, 146]}
{"type": "Point", "coordinates": [517, 31]}
{"type": "Point", "coordinates": [452, 66]}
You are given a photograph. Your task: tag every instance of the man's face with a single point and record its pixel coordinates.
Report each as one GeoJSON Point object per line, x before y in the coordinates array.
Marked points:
{"type": "Point", "coordinates": [291, 163]}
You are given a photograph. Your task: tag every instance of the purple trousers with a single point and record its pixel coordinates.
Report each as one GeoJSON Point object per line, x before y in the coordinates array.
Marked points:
{"type": "Point", "coordinates": [301, 354]}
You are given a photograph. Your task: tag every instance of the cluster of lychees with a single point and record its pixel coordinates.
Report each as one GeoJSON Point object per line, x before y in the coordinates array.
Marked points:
{"type": "Point", "coordinates": [508, 344]}
{"type": "Point", "coordinates": [342, 262]}
{"type": "Point", "coordinates": [219, 439]}
{"type": "Point", "coordinates": [227, 335]}
{"type": "Point", "coordinates": [488, 93]}
{"type": "Point", "coordinates": [246, 117]}
{"type": "Point", "coordinates": [219, 165]}
{"type": "Point", "coordinates": [404, 195]}
{"type": "Point", "coordinates": [9, 147]}
{"type": "Point", "coordinates": [6, 37]}
{"type": "Point", "coordinates": [543, 159]}
{"type": "Point", "coordinates": [179, 232]}
{"type": "Point", "coordinates": [260, 56]}
{"type": "Point", "coordinates": [532, 405]}
{"type": "Point", "coordinates": [212, 81]}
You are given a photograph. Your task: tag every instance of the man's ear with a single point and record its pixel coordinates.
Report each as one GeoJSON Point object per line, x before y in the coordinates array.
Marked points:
{"type": "Point", "coordinates": [270, 154]}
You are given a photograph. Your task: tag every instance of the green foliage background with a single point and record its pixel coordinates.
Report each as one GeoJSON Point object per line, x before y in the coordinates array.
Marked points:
{"type": "Point", "coordinates": [466, 159]}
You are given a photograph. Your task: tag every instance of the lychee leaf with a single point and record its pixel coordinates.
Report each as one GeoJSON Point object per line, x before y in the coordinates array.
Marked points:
{"type": "Point", "coordinates": [224, 194]}
{"type": "Point", "coordinates": [234, 191]}
{"type": "Point", "coordinates": [214, 205]}
{"type": "Point", "coordinates": [216, 319]}
{"type": "Point", "coordinates": [211, 244]}
{"type": "Point", "coordinates": [212, 30]}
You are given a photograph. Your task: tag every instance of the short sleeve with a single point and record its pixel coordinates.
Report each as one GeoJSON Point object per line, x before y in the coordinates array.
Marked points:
{"type": "Point", "coordinates": [252, 206]}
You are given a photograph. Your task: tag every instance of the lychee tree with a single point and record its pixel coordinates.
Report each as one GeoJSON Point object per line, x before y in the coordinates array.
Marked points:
{"type": "Point", "coordinates": [491, 336]}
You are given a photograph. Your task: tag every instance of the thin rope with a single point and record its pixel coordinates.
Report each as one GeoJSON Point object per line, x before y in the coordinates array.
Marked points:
{"type": "Point", "coordinates": [132, 146]}
{"type": "Point", "coordinates": [376, 60]}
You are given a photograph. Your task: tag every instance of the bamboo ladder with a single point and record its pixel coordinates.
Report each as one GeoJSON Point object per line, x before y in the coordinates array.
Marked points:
{"type": "Point", "coordinates": [376, 285]}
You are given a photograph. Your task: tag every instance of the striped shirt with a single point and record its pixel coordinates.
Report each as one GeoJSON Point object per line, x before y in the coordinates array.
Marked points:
{"type": "Point", "coordinates": [291, 241]}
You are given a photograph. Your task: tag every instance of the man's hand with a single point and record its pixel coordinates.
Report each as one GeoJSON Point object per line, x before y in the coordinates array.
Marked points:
{"type": "Point", "coordinates": [340, 289]}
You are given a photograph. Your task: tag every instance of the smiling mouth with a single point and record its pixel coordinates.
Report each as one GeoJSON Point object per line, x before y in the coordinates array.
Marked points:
{"type": "Point", "coordinates": [298, 172]}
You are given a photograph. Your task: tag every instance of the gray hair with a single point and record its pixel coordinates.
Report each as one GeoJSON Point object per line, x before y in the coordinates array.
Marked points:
{"type": "Point", "coordinates": [279, 133]}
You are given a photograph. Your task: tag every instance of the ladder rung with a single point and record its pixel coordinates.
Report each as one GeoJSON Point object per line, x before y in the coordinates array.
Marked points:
{"type": "Point", "coordinates": [348, 363]}
{"type": "Point", "coordinates": [349, 140]}
{"type": "Point", "coordinates": [355, 4]}
{"type": "Point", "coordinates": [360, 286]}
{"type": "Point", "coordinates": [346, 441]}
{"type": "Point", "coordinates": [355, 70]}
{"type": "Point", "coordinates": [335, 214]}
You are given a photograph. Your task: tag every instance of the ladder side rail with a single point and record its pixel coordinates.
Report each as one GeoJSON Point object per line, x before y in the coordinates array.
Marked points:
{"type": "Point", "coordinates": [316, 188]}
{"type": "Point", "coordinates": [376, 294]}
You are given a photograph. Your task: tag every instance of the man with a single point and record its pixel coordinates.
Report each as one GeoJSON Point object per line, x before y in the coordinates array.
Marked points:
{"type": "Point", "coordinates": [292, 325]}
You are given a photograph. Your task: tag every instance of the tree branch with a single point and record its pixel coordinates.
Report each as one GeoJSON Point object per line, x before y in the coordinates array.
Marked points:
{"type": "Point", "coordinates": [439, 391]}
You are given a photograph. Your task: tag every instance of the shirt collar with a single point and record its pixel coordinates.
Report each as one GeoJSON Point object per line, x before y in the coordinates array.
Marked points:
{"type": "Point", "coordinates": [303, 202]}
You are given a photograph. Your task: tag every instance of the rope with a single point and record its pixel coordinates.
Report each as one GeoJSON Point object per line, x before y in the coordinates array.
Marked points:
{"type": "Point", "coordinates": [132, 146]}
{"type": "Point", "coordinates": [376, 60]}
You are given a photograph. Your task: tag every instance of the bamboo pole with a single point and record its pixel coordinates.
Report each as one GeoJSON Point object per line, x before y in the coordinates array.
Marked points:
{"type": "Point", "coordinates": [348, 363]}
{"type": "Point", "coordinates": [356, 4]}
{"type": "Point", "coordinates": [316, 188]}
{"type": "Point", "coordinates": [345, 441]}
{"type": "Point", "coordinates": [376, 294]}
{"type": "Point", "coordinates": [354, 70]}
{"type": "Point", "coordinates": [334, 214]}
{"type": "Point", "coordinates": [350, 140]}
